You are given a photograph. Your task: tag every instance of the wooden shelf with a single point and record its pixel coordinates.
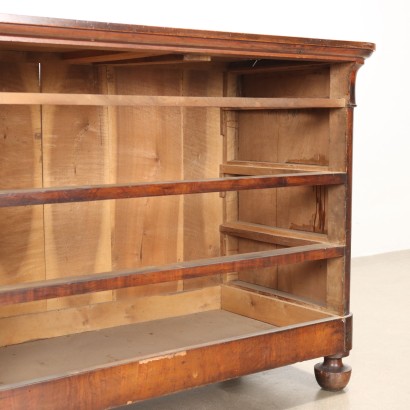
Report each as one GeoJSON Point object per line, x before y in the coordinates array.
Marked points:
{"type": "Point", "coordinates": [280, 295]}
{"type": "Point", "coordinates": [266, 168]}
{"type": "Point", "coordinates": [121, 343]}
{"type": "Point", "coordinates": [68, 286]}
{"type": "Point", "coordinates": [15, 98]}
{"type": "Point", "coordinates": [268, 234]}
{"type": "Point", "coordinates": [23, 197]}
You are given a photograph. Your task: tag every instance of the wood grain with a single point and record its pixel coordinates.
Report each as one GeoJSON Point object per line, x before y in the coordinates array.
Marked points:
{"type": "Point", "coordinates": [147, 147]}
{"type": "Point", "coordinates": [75, 152]}
{"type": "Point", "coordinates": [295, 140]}
{"type": "Point", "coordinates": [45, 33]}
{"type": "Point", "coordinates": [106, 314]}
{"type": "Point", "coordinates": [45, 98]}
{"type": "Point", "coordinates": [22, 229]}
{"type": "Point", "coordinates": [342, 83]}
{"type": "Point", "coordinates": [136, 190]}
{"type": "Point", "coordinates": [105, 347]}
{"type": "Point", "coordinates": [183, 270]}
{"type": "Point", "coordinates": [278, 236]}
{"type": "Point", "coordinates": [266, 309]}
{"type": "Point", "coordinates": [264, 276]}
{"type": "Point", "coordinates": [181, 369]}
{"type": "Point", "coordinates": [101, 112]}
{"type": "Point", "coordinates": [202, 154]}
{"type": "Point", "coordinates": [237, 167]}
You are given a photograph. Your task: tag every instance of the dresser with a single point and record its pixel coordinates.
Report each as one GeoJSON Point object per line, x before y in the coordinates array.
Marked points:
{"type": "Point", "coordinates": [175, 209]}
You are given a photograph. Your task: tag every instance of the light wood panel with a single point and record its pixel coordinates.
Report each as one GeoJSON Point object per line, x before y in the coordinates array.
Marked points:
{"type": "Point", "coordinates": [162, 100]}
{"type": "Point", "coordinates": [77, 236]}
{"type": "Point", "coordinates": [285, 137]}
{"type": "Point", "coordinates": [22, 236]}
{"type": "Point", "coordinates": [265, 308]}
{"type": "Point", "coordinates": [294, 139]}
{"type": "Point", "coordinates": [202, 155]}
{"type": "Point", "coordinates": [229, 132]}
{"type": "Point", "coordinates": [258, 144]}
{"type": "Point", "coordinates": [278, 236]}
{"type": "Point", "coordinates": [237, 167]}
{"type": "Point", "coordinates": [148, 147]}
{"type": "Point", "coordinates": [261, 276]}
{"type": "Point", "coordinates": [279, 294]}
{"type": "Point", "coordinates": [307, 279]}
{"type": "Point", "coordinates": [309, 82]}
{"type": "Point", "coordinates": [109, 314]}
{"type": "Point", "coordinates": [290, 138]}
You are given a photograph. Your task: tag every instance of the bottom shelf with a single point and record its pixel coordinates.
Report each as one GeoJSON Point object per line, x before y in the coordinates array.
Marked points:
{"type": "Point", "coordinates": [116, 366]}
{"type": "Point", "coordinates": [62, 356]}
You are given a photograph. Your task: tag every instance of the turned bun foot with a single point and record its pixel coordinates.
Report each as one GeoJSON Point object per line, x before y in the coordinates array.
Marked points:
{"type": "Point", "coordinates": [332, 374]}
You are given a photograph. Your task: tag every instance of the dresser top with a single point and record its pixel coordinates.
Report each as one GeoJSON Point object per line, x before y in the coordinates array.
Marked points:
{"type": "Point", "coordinates": [40, 34]}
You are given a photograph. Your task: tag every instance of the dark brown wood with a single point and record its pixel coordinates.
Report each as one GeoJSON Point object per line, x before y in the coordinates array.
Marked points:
{"type": "Point", "coordinates": [95, 56]}
{"type": "Point", "coordinates": [146, 276]}
{"type": "Point", "coordinates": [178, 370]}
{"type": "Point", "coordinates": [48, 31]}
{"type": "Point", "coordinates": [349, 184]}
{"type": "Point", "coordinates": [269, 66]}
{"type": "Point", "coordinates": [348, 88]}
{"type": "Point", "coordinates": [120, 191]}
{"type": "Point", "coordinates": [165, 59]}
{"type": "Point", "coordinates": [332, 374]}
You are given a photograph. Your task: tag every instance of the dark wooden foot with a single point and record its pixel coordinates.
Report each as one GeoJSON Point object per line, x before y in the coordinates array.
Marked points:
{"type": "Point", "coordinates": [332, 374]}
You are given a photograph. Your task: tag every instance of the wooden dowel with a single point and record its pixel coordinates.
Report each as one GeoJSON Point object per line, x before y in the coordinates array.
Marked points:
{"type": "Point", "coordinates": [22, 197]}
{"type": "Point", "coordinates": [14, 98]}
{"type": "Point", "coordinates": [41, 290]}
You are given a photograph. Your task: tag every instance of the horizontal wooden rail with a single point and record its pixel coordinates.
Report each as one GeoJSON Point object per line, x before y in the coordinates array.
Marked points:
{"type": "Point", "coordinates": [22, 197]}
{"type": "Point", "coordinates": [14, 98]}
{"type": "Point", "coordinates": [268, 234]}
{"type": "Point", "coordinates": [48, 289]}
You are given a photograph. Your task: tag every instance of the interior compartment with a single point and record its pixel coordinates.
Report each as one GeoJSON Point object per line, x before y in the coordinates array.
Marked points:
{"type": "Point", "coordinates": [235, 314]}
{"type": "Point", "coordinates": [174, 208]}
{"type": "Point", "coordinates": [71, 146]}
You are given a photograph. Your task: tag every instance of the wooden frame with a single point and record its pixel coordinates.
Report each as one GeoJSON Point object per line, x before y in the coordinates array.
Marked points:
{"type": "Point", "coordinates": [159, 182]}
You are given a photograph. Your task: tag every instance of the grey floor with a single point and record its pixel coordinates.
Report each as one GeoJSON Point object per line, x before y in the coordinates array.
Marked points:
{"type": "Point", "coordinates": [380, 358]}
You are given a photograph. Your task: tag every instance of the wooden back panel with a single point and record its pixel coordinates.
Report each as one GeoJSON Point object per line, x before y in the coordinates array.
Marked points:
{"type": "Point", "coordinates": [22, 229]}
{"type": "Point", "coordinates": [67, 145]}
